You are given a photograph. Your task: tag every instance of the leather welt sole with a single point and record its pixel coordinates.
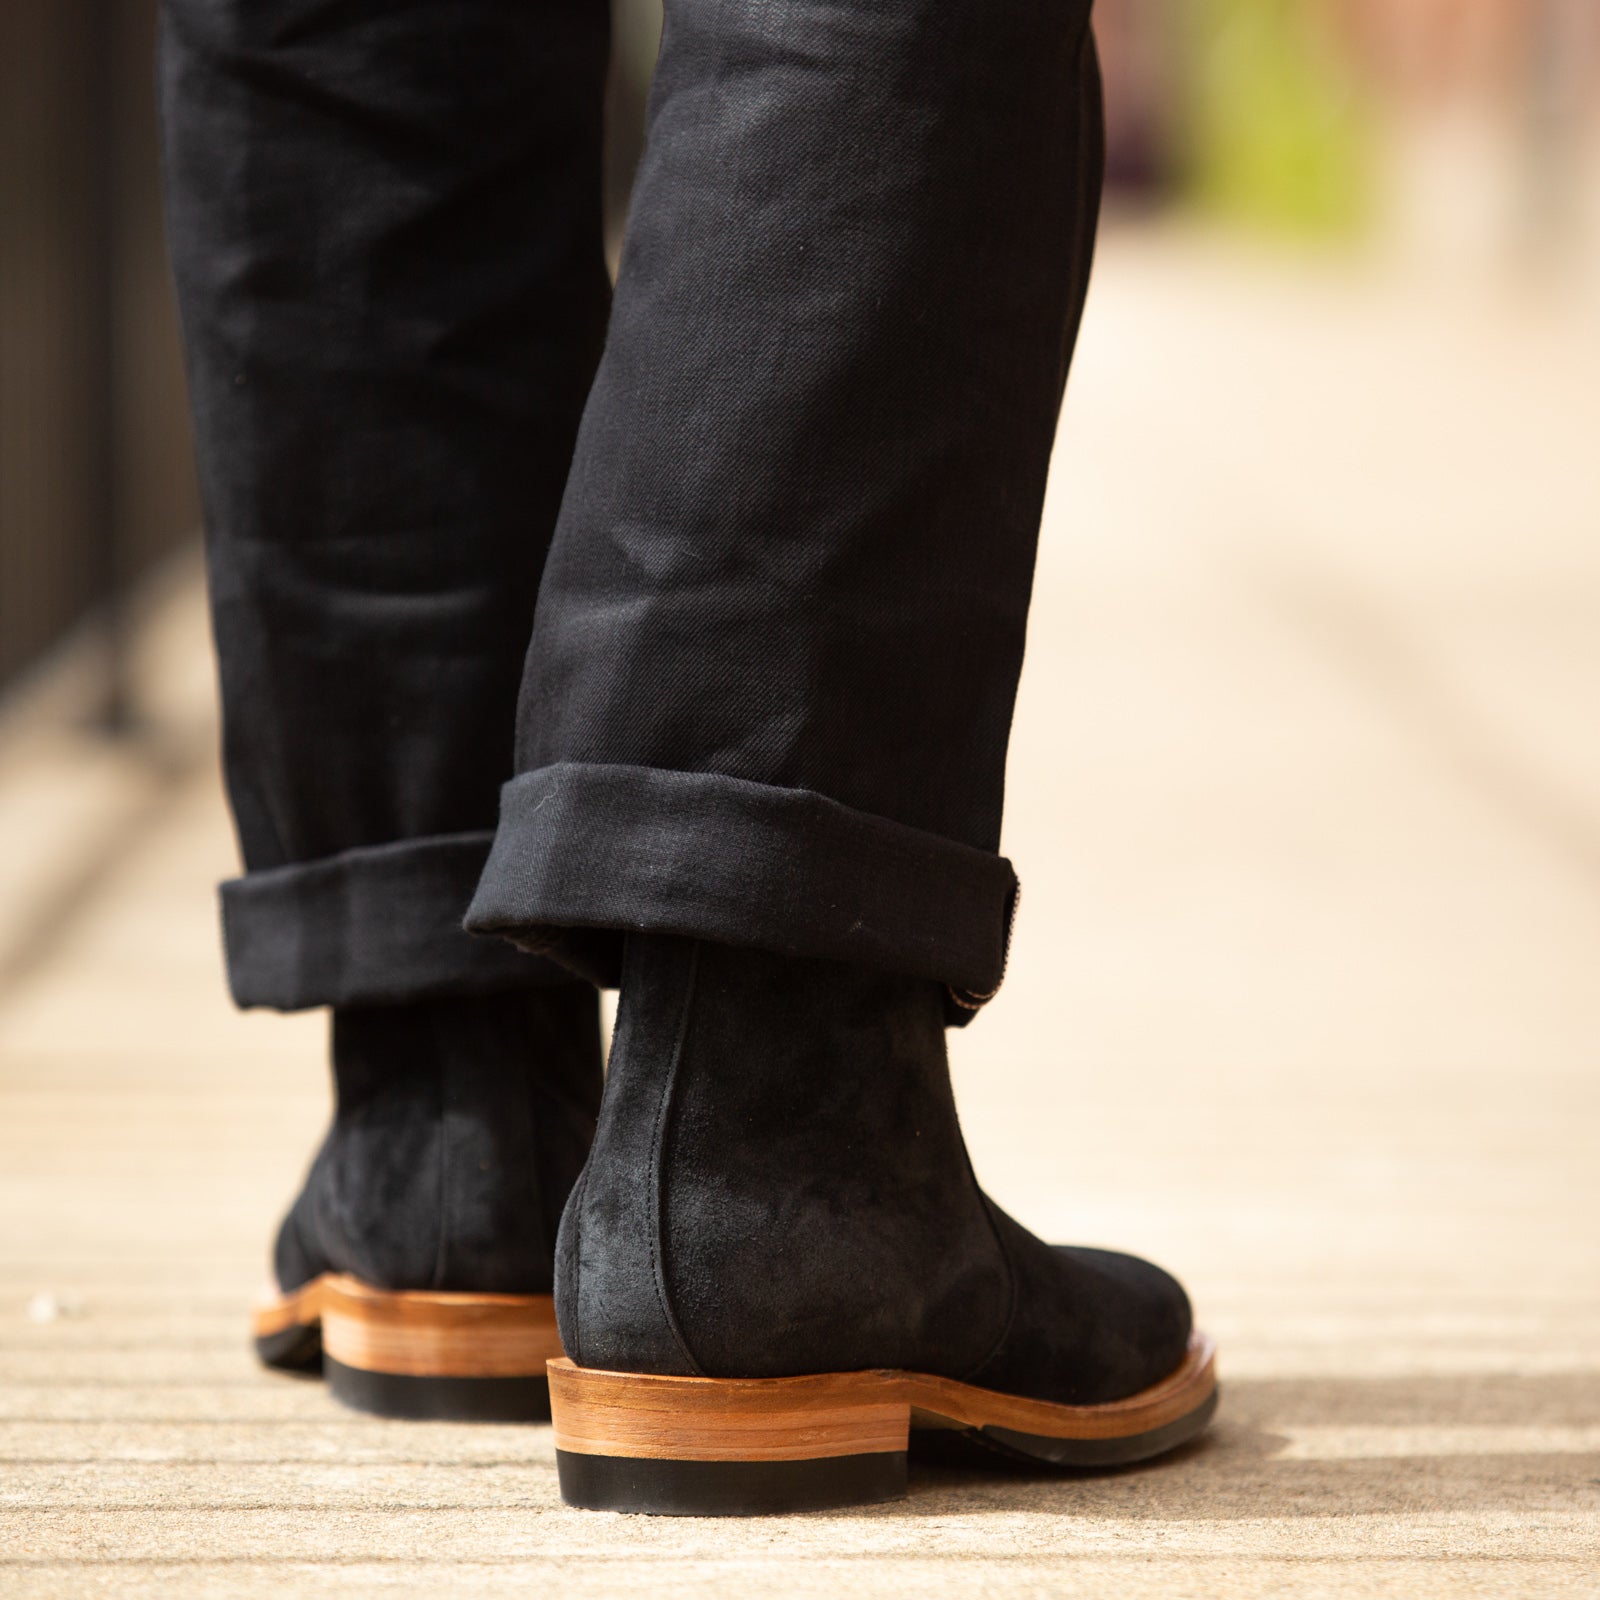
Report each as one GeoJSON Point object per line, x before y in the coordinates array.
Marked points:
{"type": "Point", "coordinates": [461, 1357]}
{"type": "Point", "coordinates": [756, 1446]}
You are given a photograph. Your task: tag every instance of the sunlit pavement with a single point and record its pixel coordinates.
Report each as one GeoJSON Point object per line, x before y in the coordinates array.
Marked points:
{"type": "Point", "coordinates": [1304, 1002]}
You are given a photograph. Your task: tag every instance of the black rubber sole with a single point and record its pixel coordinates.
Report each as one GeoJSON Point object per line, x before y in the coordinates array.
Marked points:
{"type": "Point", "coordinates": [294, 1349]}
{"type": "Point", "coordinates": [388, 1394]}
{"type": "Point", "coordinates": [729, 1488]}
{"type": "Point", "coordinates": [391, 1394]}
{"type": "Point", "coordinates": [1093, 1453]}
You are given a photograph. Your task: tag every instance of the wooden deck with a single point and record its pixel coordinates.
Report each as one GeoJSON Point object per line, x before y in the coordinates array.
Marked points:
{"type": "Point", "coordinates": [1306, 802]}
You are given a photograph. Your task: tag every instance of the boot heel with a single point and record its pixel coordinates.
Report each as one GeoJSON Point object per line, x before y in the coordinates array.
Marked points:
{"type": "Point", "coordinates": [424, 1355]}
{"type": "Point", "coordinates": [725, 1446]}
{"type": "Point", "coordinates": [756, 1446]}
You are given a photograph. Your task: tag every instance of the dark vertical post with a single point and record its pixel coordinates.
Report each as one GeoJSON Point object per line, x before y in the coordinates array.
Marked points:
{"type": "Point", "coordinates": [102, 68]}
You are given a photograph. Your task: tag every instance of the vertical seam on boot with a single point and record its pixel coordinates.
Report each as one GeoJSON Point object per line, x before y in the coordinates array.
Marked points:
{"type": "Point", "coordinates": [576, 1202]}
{"type": "Point", "coordinates": [291, 1225]}
{"type": "Point", "coordinates": [657, 1141]}
{"type": "Point", "coordinates": [1011, 1282]}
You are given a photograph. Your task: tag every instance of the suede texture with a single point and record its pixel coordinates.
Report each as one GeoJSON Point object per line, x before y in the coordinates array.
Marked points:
{"type": "Point", "coordinates": [779, 1185]}
{"type": "Point", "coordinates": [460, 1126]}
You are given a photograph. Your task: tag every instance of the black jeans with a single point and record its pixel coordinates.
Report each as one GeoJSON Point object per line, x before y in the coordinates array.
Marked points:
{"type": "Point", "coordinates": [780, 529]}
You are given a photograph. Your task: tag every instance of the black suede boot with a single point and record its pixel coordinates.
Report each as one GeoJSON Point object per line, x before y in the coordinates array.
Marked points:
{"type": "Point", "coordinates": [415, 1267]}
{"type": "Point", "coordinates": [777, 1260]}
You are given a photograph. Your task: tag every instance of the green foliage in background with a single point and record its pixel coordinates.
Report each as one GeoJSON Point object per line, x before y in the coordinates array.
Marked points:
{"type": "Point", "coordinates": [1277, 134]}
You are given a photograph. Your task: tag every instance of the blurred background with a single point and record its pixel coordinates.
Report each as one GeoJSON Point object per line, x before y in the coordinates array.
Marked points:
{"type": "Point", "coordinates": [1461, 131]}
{"type": "Point", "coordinates": [1304, 792]}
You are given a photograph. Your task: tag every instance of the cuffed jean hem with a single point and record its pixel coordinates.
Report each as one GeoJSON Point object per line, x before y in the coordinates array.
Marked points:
{"type": "Point", "coordinates": [374, 926]}
{"type": "Point", "coordinates": [588, 853]}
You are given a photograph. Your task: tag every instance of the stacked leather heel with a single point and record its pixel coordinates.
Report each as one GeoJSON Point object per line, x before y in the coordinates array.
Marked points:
{"type": "Point", "coordinates": [418, 1354]}
{"type": "Point", "coordinates": [753, 1447]}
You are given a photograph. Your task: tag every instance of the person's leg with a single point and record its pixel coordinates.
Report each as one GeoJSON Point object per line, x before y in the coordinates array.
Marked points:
{"type": "Point", "coordinates": [385, 229]}
{"type": "Point", "coordinates": [761, 752]}
{"type": "Point", "coordinates": [772, 672]}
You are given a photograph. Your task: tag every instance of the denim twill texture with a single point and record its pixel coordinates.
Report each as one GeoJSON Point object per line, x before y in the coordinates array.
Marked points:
{"type": "Point", "coordinates": [778, 638]}
{"type": "Point", "coordinates": [781, 620]}
{"type": "Point", "coordinates": [385, 227]}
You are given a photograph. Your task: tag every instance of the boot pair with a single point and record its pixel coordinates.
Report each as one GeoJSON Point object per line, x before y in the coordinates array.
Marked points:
{"type": "Point", "coordinates": [774, 1262]}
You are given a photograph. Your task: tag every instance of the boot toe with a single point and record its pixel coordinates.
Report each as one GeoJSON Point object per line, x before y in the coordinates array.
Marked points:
{"type": "Point", "coordinates": [1087, 1326]}
{"type": "Point", "coordinates": [1143, 1317]}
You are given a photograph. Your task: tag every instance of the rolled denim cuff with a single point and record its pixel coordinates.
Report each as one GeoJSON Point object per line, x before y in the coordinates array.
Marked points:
{"type": "Point", "coordinates": [374, 926]}
{"type": "Point", "coordinates": [585, 854]}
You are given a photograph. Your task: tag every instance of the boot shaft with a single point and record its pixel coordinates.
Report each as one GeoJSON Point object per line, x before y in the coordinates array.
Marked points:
{"type": "Point", "coordinates": [778, 1183]}
{"type": "Point", "coordinates": [459, 1128]}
